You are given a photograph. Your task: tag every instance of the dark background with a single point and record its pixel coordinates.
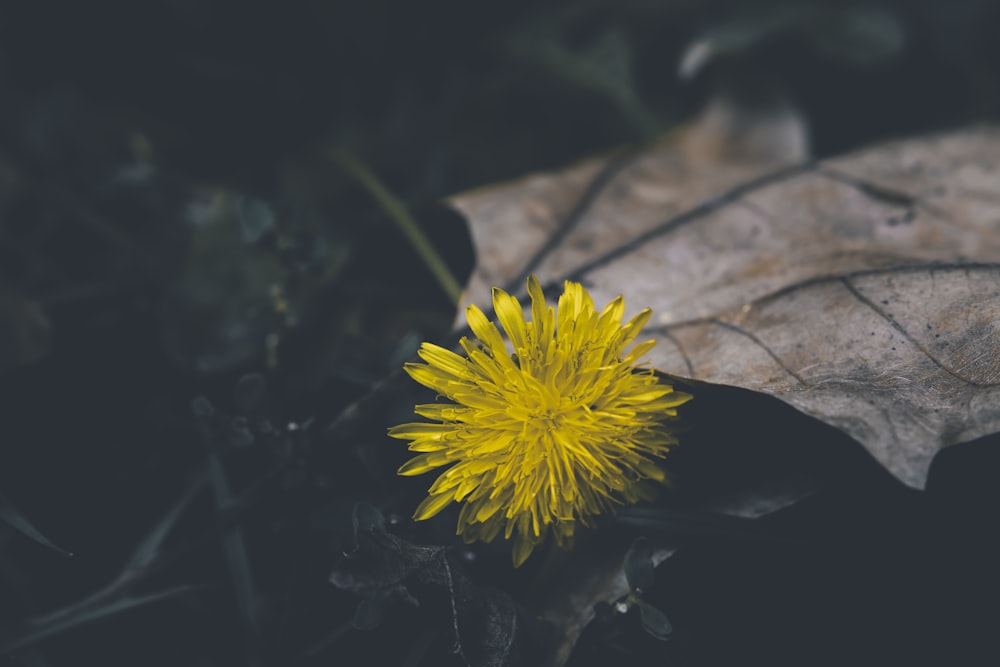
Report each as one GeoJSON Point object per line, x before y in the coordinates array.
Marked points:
{"type": "Point", "coordinates": [171, 220]}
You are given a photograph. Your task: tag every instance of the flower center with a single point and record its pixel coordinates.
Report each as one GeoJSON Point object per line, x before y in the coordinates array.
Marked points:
{"type": "Point", "coordinates": [547, 419]}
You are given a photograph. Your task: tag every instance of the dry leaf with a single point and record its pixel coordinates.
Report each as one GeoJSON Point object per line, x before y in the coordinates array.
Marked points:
{"type": "Point", "coordinates": [863, 290]}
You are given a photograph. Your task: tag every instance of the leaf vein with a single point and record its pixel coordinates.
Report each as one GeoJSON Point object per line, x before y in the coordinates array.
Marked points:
{"type": "Point", "coordinates": [856, 293]}
{"type": "Point", "coordinates": [771, 353]}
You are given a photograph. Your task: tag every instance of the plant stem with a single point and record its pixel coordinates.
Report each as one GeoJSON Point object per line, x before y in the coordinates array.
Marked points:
{"type": "Point", "coordinates": [404, 221]}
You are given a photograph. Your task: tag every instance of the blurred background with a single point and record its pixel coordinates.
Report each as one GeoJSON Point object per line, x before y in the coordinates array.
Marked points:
{"type": "Point", "coordinates": [193, 287]}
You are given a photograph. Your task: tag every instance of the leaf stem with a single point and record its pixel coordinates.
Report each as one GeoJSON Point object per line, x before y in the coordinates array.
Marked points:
{"type": "Point", "coordinates": [404, 222]}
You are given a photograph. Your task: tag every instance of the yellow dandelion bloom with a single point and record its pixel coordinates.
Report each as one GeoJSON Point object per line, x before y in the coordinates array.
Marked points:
{"type": "Point", "coordinates": [560, 431]}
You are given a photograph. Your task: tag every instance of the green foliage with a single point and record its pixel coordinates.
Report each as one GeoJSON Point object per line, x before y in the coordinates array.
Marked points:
{"type": "Point", "coordinates": [654, 621]}
{"type": "Point", "coordinates": [16, 520]}
{"type": "Point", "coordinates": [639, 565]}
{"type": "Point", "coordinates": [640, 573]}
{"type": "Point", "coordinates": [858, 34]}
{"type": "Point", "coordinates": [203, 315]}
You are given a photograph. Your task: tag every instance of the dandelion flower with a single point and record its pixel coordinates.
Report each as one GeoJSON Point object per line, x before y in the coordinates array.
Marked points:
{"type": "Point", "coordinates": [562, 430]}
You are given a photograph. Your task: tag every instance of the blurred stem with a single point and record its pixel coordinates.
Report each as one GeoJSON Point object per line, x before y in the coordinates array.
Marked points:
{"type": "Point", "coordinates": [235, 548]}
{"type": "Point", "coordinates": [404, 221]}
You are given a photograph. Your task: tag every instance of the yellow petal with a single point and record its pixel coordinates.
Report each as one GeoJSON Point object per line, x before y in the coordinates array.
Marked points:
{"type": "Point", "coordinates": [432, 378]}
{"type": "Point", "coordinates": [431, 506]}
{"type": "Point", "coordinates": [639, 350]}
{"type": "Point", "coordinates": [613, 312]}
{"type": "Point", "coordinates": [418, 465]}
{"type": "Point", "coordinates": [511, 317]}
{"type": "Point", "coordinates": [485, 331]}
{"type": "Point", "coordinates": [421, 430]}
{"type": "Point", "coordinates": [487, 508]}
{"type": "Point", "coordinates": [445, 360]}
{"type": "Point", "coordinates": [650, 394]}
{"type": "Point", "coordinates": [523, 546]}
{"type": "Point", "coordinates": [541, 315]}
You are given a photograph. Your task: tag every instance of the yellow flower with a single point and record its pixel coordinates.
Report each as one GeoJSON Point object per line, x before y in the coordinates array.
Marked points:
{"type": "Point", "coordinates": [559, 432]}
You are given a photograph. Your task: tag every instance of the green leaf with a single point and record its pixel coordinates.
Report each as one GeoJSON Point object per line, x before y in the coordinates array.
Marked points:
{"type": "Point", "coordinates": [249, 392]}
{"type": "Point", "coordinates": [859, 36]}
{"type": "Point", "coordinates": [234, 547]}
{"type": "Point", "coordinates": [89, 616]}
{"type": "Point", "coordinates": [239, 434]}
{"type": "Point", "coordinates": [856, 34]}
{"type": "Point", "coordinates": [367, 518]}
{"type": "Point", "coordinates": [605, 66]}
{"type": "Point", "coordinates": [369, 613]}
{"type": "Point", "coordinates": [256, 218]}
{"type": "Point", "coordinates": [655, 622]}
{"type": "Point", "coordinates": [638, 565]}
{"type": "Point", "coordinates": [20, 523]}
{"type": "Point", "coordinates": [742, 32]}
{"type": "Point", "coordinates": [202, 408]}
{"type": "Point", "coordinates": [149, 547]}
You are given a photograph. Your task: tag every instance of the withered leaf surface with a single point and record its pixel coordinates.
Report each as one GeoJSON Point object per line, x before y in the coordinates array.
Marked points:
{"type": "Point", "coordinates": [864, 290]}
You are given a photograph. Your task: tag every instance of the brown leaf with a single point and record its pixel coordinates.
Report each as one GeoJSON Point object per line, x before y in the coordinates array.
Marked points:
{"type": "Point", "coordinates": [863, 290]}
